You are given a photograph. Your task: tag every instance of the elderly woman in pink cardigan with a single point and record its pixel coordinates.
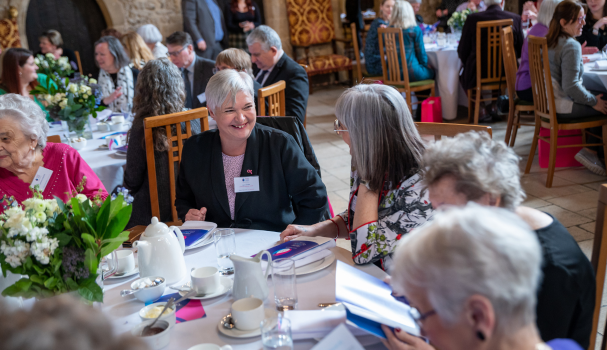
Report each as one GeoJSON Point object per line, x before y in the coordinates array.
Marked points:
{"type": "Point", "coordinates": [26, 157]}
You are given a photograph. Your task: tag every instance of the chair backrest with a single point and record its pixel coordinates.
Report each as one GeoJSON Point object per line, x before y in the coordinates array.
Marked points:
{"type": "Point", "coordinates": [276, 99]}
{"type": "Point", "coordinates": [510, 64]}
{"type": "Point", "coordinates": [359, 72]}
{"type": "Point", "coordinates": [447, 129]}
{"type": "Point", "coordinates": [493, 50]}
{"type": "Point", "coordinates": [176, 145]}
{"type": "Point", "coordinates": [79, 63]}
{"type": "Point", "coordinates": [310, 22]}
{"type": "Point", "coordinates": [541, 80]}
{"type": "Point", "coordinates": [53, 139]}
{"type": "Point", "coordinates": [599, 262]}
{"type": "Point", "coordinates": [391, 39]}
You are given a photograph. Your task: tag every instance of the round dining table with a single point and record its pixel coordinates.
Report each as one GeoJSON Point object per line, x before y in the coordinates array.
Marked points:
{"type": "Point", "coordinates": [312, 289]}
{"type": "Point", "coordinates": [446, 64]}
{"type": "Point", "coordinates": [595, 80]}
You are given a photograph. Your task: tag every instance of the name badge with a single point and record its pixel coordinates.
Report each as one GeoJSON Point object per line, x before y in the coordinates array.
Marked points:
{"type": "Point", "coordinates": [42, 177]}
{"type": "Point", "coordinates": [202, 98]}
{"type": "Point", "coordinates": [246, 184]}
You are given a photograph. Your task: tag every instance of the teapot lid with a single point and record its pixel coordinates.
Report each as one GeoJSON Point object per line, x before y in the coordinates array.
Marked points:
{"type": "Point", "coordinates": [156, 228]}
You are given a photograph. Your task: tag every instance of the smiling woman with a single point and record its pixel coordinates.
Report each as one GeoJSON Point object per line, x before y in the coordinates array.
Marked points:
{"type": "Point", "coordinates": [243, 174]}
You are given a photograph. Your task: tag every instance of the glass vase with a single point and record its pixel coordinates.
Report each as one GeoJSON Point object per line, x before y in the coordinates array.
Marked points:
{"type": "Point", "coordinates": [79, 125]}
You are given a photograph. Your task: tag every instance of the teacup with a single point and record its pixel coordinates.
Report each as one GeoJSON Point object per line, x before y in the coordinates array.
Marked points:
{"type": "Point", "coordinates": [117, 140]}
{"type": "Point", "coordinates": [126, 261]}
{"type": "Point", "coordinates": [247, 313]}
{"type": "Point", "coordinates": [103, 127]}
{"type": "Point", "coordinates": [210, 347]}
{"type": "Point", "coordinates": [205, 280]}
{"type": "Point", "coordinates": [117, 118]}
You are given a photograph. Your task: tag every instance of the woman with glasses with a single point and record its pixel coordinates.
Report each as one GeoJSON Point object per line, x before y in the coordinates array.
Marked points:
{"type": "Point", "coordinates": [387, 199]}
{"type": "Point", "coordinates": [239, 60]}
{"type": "Point", "coordinates": [471, 277]}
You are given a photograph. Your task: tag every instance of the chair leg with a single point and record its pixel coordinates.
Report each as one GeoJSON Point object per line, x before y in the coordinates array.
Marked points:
{"type": "Point", "coordinates": [583, 135]}
{"type": "Point", "coordinates": [511, 116]}
{"type": "Point", "coordinates": [552, 160]}
{"type": "Point", "coordinates": [469, 106]}
{"type": "Point", "coordinates": [604, 146]}
{"type": "Point", "coordinates": [477, 107]}
{"type": "Point", "coordinates": [536, 134]}
{"type": "Point", "coordinates": [515, 126]}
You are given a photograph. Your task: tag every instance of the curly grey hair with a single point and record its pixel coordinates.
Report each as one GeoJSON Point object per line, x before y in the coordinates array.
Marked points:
{"type": "Point", "coordinates": [479, 164]}
{"type": "Point", "coordinates": [121, 59]}
{"type": "Point", "coordinates": [473, 250]}
{"type": "Point", "coordinates": [227, 83]}
{"type": "Point", "coordinates": [28, 114]}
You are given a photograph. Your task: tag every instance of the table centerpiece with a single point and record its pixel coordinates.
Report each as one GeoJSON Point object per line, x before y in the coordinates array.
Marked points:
{"type": "Point", "coordinates": [457, 20]}
{"type": "Point", "coordinates": [57, 247]}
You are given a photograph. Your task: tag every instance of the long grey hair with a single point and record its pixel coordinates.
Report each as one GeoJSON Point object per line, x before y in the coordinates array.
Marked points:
{"type": "Point", "coordinates": [385, 143]}
{"type": "Point", "coordinates": [116, 50]}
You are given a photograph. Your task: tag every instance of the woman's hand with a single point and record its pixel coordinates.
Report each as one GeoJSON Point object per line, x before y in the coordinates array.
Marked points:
{"type": "Point", "coordinates": [117, 93]}
{"type": "Point", "coordinates": [589, 50]}
{"type": "Point", "coordinates": [196, 215]}
{"type": "Point", "coordinates": [294, 231]}
{"type": "Point", "coordinates": [529, 6]}
{"type": "Point", "coordinates": [401, 340]}
{"type": "Point", "coordinates": [471, 6]}
{"type": "Point", "coordinates": [600, 23]}
{"type": "Point", "coordinates": [585, 60]}
{"type": "Point", "coordinates": [601, 105]}
{"type": "Point", "coordinates": [248, 26]}
{"type": "Point", "coordinates": [383, 26]}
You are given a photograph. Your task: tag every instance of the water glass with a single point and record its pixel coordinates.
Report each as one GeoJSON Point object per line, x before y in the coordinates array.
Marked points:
{"type": "Point", "coordinates": [285, 284]}
{"type": "Point", "coordinates": [276, 333]}
{"type": "Point", "coordinates": [225, 246]}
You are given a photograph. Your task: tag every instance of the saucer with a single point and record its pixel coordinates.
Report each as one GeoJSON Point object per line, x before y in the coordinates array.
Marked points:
{"type": "Point", "coordinates": [226, 285]}
{"type": "Point", "coordinates": [103, 147]}
{"type": "Point", "coordinates": [125, 274]}
{"type": "Point", "coordinates": [237, 333]}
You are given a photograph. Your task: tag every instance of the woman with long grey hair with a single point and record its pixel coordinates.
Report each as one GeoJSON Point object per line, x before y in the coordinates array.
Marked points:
{"type": "Point", "coordinates": [160, 91]}
{"type": "Point", "coordinates": [115, 76]}
{"type": "Point", "coordinates": [387, 199]}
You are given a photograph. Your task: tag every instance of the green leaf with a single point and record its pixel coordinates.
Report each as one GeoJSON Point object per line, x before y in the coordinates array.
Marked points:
{"type": "Point", "coordinates": [61, 205]}
{"type": "Point", "coordinates": [71, 284]}
{"type": "Point", "coordinates": [12, 290]}
{"type": "Point", "coordinates": [103, 217]}
{"type": "Point", "coordinates": [111, 244]}
{"type": "Point", "coordinates": [50, 282]}
{"type": "Point", "coordinates": [90, 260]}
{"type": "Point", "coordinates": [37, 279]}
{"type": "Point", "coordinates": [63, 239]}
{"type": "Point", "coordinates": [90, 290]}
{"type": "Point", "coordinates": [118, 223]}
{"type": "Point", "coordinates": [24, 283]}
{"type": "Point", "coordinates": [90, 241]}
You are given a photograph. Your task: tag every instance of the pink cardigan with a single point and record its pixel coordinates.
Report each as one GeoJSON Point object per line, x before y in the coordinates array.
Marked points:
{"type": "Point", "coordinates": [68, 169]}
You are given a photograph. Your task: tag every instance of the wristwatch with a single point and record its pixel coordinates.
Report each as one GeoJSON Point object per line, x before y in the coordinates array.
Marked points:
{"type": "Point", "coordinates": [595, 31]}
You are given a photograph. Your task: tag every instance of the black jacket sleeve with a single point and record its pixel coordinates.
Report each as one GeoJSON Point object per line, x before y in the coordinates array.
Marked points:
{"type": "Point", "coordinates": [231, 22]}
{"type": "Point", "coordinates": [465, 48]}
{"type": "Point", "coordinates": [296, 93]}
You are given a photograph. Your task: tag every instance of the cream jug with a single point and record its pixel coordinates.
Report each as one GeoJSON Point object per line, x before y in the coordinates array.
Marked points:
{"type": "Point", "coordinates": [249, 279]}
{"type": "Point", "coordinates": [160, 252]}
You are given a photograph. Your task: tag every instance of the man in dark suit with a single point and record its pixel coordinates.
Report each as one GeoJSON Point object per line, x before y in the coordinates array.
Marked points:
{"type": "Point", "coordinates": [196, 71]}
{"type": "Point", "coordinates": [203, 20]}
{"type": "Point", "coordinates": [273, 65]}
{"type": "Point", "coordinates": [467, 45]}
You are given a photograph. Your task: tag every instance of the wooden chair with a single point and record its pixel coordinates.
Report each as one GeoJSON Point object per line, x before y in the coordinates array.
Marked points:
{"type": "Point", "coordinates": [516, 105]}
{"type": "Point", "coordinates": [167, 122]}
{"type": "Point", "coordinates": [79, 63]}
{"type": "Point", "coordinates": [489, 81]}
{"type": "Point", "coordinates": [276, 99]}
{"type": "Point", "coordinates": [599, 263]}
{"type": "Point", "coordinates": [545, 109]}
{"type": "Point", "coordinates": [359, 62]}
{"type": "Point", "coordinates": [53, 139]}
{"type": "Point", "coordinates": [449, 130]}
{"type": "Point", "coordinates": [394, 75]}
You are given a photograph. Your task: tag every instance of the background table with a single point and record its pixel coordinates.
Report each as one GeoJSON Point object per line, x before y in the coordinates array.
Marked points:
{"type": "Point", "coordinates": [311, 289]}
{"type": "Point", "coordinates": [594, 79]}
{"type": "Point", "coordinates": [446, 64]}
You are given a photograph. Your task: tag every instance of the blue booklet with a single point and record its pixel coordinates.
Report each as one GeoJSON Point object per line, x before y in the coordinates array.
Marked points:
{"type": "Point", "coordinates": [191, 236]}
{"type": "Point", "coordinates": [290, 249]}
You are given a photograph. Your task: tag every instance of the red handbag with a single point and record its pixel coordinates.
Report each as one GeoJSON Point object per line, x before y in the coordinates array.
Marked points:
{"type": "Point", "coordinates": [432, 110]}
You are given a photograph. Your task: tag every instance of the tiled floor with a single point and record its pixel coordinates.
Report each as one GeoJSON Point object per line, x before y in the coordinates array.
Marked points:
{"type": "Point", "coordinates": [572, 198]}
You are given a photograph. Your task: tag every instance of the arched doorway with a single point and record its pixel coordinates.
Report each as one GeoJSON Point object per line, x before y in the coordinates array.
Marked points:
{"type": "Point", "coordinates": [80, 23]}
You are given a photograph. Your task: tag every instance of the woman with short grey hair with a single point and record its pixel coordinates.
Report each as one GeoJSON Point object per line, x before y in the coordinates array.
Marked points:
{"type": "Point", "coordinates": [387, 199]}
{"type": "Point", "coordinates": [115, 76]}
{"type": "Point", "coordinates": [471, 167]}
{"type": "Point", "coordinates": [153, 39]}
{"type": "Point", "coordinates": [24, 153]}
{"type": "Point", "coordinates": [470, 277]}
{"type": "Point", "coordinates": [245, 174]}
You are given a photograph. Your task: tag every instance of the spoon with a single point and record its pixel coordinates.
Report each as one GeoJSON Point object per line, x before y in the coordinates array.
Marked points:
{"type": "Point", "coordinates": [146, 330]}
{"type": "Point", "coordinates": [227, 322]}
{"type": "Point", "coordinates": [155, 282]}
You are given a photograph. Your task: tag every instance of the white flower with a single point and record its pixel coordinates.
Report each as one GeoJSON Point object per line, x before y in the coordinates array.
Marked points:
{"type": "Point", "coordinates": [51, 56]}
{"type": "Point", "coordinates": [43, 249]}
{"type": "Point", "coordinates": [52, 207]}
{"type": "Point", "coordinates": [44, 64]}
{"type": "Point", "coordinates": [40, 216]}
{"type": "Point", "coordinates": [15, 217]}
{"type": "Point", "coordinates": [37, 61]}
{"type": "Point", "coordinates": [48, 98]}
{"type": "Point", "coordinates": [63, 103]}
{"type": "Point", "coordinates": [15, 255]}
{"type": "Point", "coordinates": [36, 233]}
{"type": "Point", "coordinates": [73, 88]}
{"type": "Point", "coordinates": [93, 81]}
{"type": "Point", "coordinates": [81, 197]}
{"type": "Point", "coordinates": [63, 60]}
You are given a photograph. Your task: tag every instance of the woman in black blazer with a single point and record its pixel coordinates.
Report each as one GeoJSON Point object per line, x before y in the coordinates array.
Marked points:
{"type": "Point", "coordinates": [283, 187]}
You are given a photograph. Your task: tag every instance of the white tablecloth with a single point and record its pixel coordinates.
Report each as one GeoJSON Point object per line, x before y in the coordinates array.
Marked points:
{"type": "Point", "coordinates": [311, 289]}
{"type": "Point", "coordinates": [594, 79]}
{"type": "Point", "coordinates": [447, 65]}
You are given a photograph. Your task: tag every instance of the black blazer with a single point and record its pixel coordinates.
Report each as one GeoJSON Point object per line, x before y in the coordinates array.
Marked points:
{"type": "Point", "coordinates": [290, 189]}
{"type": "Point", "coordinates": [198, 22]}
{"type": "Point", "coordinates": [203, 71]}
{"type": "Point", "coordinates": [467, 45]}
{"type": "Point", "coordinates": [296, 93]}
{"type": "Point", "coordinates": [590, 39]}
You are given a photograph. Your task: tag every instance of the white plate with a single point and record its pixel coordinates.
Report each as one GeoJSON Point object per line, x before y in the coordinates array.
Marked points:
{"type": "Point", "coordinates": [126, 274]}
{"type": "Point", "coordinates": [200, 225]}
{"type": "Point", "coordinates": [315, 266]}
{"type": "Point", "coordinates": [226, 285]}
{"type": "Point", "coordinates": [236, 333]}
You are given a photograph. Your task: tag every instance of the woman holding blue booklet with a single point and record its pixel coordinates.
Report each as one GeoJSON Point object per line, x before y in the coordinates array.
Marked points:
{"type": "Point", "coordinates": [387, 199]}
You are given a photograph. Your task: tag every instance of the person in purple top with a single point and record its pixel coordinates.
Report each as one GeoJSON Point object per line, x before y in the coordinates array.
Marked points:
{"type": "Point", "coordinates": [470, 277]}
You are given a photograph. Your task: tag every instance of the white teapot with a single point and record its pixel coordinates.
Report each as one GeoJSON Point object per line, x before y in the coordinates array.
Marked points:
{"type": "Point", "coordinates": [160, 252]}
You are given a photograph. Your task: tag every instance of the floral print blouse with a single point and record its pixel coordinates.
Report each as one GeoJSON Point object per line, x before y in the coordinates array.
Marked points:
{"type": "Point", "coordinates": [400, 211]}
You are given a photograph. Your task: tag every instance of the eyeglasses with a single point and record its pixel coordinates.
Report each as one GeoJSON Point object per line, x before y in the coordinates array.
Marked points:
{"type": "Point", "coordinates": [418, 317]}
{"type": "Point", "coordinates": [337, 127]}
{"type": "Point", "coordinates": [215, 70]}
{"type": "Point", "coordinates": [581, 19]}
{"type": "Point", "coordinates": [174, 54]}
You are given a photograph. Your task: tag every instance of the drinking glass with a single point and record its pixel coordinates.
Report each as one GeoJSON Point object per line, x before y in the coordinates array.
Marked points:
{"type": "Point", "coordinates": [225, 245]}
{"type": "Point", "coordinates": [276, 333]}
{"type": "Point", "coordinates": [285, 284]}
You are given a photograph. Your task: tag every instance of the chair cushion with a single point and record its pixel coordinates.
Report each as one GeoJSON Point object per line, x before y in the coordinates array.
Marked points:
{"type": "Point", "coordinates": [573, 120]}
{"type": "Point", "coordinates": [518, 101]}
{"type": "Point", "coordinates": [310, 22]}
{"type": "Point", "coordinates": [319, 63]}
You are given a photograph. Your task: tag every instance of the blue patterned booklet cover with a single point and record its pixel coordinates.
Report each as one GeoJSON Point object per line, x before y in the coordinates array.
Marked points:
{"type": "Point", "coordinates": [192, 236]}
{"type": "Point", "coordinates": [297, 247]}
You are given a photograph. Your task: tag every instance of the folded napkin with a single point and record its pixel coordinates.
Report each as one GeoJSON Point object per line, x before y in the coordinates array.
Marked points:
{"type": "Point", "coordinates": [595, 56]}
{"type": "Point", "coordinates": [187, 310]}
{"type": "Point", "coordinates": [600, 65]}
{"type": "Point", "coordinates": [307, 324]}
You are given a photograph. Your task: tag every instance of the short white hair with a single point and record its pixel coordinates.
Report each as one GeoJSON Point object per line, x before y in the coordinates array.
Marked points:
{"type": "Point", "coordinates": [546, 11]}
{"type": "Point", "coordinates": [227, 83]}
{"type": "Point", "coordinates": [266, 36]}
{"type": "Point", "coordinates": [403, 15]}
{"type": "Point", "coordinates": [31, 118]}
{"type": "Point", "coordinates": [493, 2]}
{"type": "Point", "coordinates": [473, 250]}
{"type": "Point", "coordinates": [150, 34]}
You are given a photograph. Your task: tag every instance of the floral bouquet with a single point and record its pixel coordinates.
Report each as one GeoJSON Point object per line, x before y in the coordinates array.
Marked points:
{"type": "Point", "coordinates": [49, 65]}
{"type": "Point", "coordinates": [58, 246]}
{"type": "Point", "coordinates": [457, 20]}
